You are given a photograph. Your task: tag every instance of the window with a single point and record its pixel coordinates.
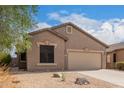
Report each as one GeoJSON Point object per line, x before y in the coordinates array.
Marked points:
{"type": "Point", "coordinates": [114, 57]}
{"type": "Point", "coordinates": [23, 56]}
{"type": "Point", "coordinates": [46, 54]}
{"type": "Point", "coordinates": [69, 29]}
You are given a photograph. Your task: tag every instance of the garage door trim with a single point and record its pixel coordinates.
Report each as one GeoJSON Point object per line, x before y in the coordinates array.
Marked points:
{"type": "Point", "coordinates": [83, 50]}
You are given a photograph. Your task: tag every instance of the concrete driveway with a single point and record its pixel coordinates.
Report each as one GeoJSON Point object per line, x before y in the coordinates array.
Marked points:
{"type": "Point", "coordinates": [112, 76]}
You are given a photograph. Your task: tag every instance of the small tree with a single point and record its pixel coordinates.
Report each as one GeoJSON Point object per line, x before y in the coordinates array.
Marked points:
{"type": "Point", "coordinates": [15, 22]}
{"type": "Point", "coordinates": [23, 43]}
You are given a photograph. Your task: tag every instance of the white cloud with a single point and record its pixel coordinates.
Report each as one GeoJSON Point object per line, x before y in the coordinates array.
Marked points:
{"type": "Point", "coordinates": [109, 31]}
{"type": "Point", "coordinates": [54, 15]}
{"type": "Point", "coordinates": [106, 26]}
{"type": "Point", "coordinates": [105, 34]}
{"type": "Point", "coordinates": [120, 32]}
{"type": "Point", "coordinates": [80, 20]}
{"type": "Point", "coordinates": [41, 26]}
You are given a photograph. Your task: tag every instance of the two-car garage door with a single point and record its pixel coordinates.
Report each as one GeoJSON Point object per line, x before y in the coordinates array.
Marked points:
{"type": "Point", "coordinates": [84, 60]}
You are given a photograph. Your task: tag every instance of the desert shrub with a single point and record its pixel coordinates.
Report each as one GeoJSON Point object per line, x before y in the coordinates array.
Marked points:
{"type": "Point", "coordinates": [120, 65]}
{"type": "Point", "coordinates": [113, 65]}
{"type": "Point", "coordinates": [56, 75]}
{"type": "Point", "coordinates": [5, 75]}
{"type": "Point", "coordinates": [6, 78]}
{"type": "Point", "coordinates": [5, 59]}
{"type": "Point", "coordinates": [62, 76]}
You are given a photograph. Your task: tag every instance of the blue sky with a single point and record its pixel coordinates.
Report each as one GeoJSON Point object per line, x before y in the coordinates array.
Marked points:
{"type": "Point", "coordinates": [103, 22]}
{"type": "Point", "coordinates": [92, 11]}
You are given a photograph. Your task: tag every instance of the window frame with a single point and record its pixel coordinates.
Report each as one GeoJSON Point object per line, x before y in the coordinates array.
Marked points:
{"type": "Point", "coordinates": [47, 54]}
{"type": "Point", "coordinates": [67, 30]}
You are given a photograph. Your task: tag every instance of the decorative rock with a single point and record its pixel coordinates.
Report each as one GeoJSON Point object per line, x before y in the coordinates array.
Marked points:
{"type": "Point", "coordinates": [16, 81]}
{"type": "Point", "coordinates": [82, 81]}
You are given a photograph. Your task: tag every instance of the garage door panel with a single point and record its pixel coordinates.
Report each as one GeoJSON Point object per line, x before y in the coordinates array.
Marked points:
{"type": "Point", "coordinates": [84, 60]}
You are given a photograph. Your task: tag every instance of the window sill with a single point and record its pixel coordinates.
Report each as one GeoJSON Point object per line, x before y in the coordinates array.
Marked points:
{"type": "Point", "coordinates": [46, 64]}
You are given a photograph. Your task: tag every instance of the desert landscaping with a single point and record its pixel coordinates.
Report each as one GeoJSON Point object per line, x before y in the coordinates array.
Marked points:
{"type": "Point", "coordinates": [24, 79]}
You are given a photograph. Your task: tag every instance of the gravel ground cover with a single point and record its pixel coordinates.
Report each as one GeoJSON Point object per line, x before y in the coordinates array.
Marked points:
{"type": "Point", "coordinates": [45, 80]}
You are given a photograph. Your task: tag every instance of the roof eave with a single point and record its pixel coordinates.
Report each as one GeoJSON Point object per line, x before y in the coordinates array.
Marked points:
{"type": "Point", "coordinates": [48, 29]}
{"type": "Point", "coordinates": [70, 23]}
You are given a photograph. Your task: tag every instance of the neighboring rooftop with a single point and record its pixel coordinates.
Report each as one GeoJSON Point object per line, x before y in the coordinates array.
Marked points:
{"type": "Point", "coordinates": [115, 47]}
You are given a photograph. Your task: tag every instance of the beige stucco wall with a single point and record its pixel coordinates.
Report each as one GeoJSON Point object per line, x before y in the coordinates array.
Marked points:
{"type": "Point", "coordinates": [33, 54]}
{"type": "Point", "coordinates": [79, 40]}
{"type": "Point", "coordinates": [119, 57]}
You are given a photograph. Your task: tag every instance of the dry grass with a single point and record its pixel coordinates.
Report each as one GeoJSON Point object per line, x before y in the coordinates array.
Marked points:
{"type": "Point", "coordinates": [6, 78]}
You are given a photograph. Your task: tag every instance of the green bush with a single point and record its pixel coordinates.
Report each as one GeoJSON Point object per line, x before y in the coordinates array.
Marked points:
{"type": "Point", "coordinates": [5, 59]}
{"type": "Point", "coordinates": [120, 65]}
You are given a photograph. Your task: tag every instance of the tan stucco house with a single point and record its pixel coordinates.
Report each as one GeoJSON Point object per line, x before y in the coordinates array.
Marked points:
{"type": "Point", "coordinates": [64, 47]}
{"type": "Point", "coordinates": [115, 53]}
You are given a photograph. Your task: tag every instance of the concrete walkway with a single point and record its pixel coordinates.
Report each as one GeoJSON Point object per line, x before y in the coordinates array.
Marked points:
{"type": "Point", "coordinates": [112, 76]}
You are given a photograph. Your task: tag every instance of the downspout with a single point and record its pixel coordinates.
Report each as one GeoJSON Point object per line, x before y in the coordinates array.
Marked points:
{"type": "Point", "coordinates": [65, 56]}
{"type": "Point", "coordinates": [104, 60]}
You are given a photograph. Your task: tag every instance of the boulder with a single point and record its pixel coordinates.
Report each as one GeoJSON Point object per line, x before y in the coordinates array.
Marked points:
{"type": "Point", "coordinates": [81, 81]}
